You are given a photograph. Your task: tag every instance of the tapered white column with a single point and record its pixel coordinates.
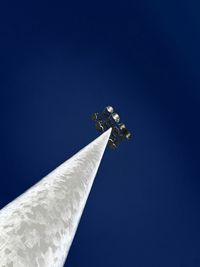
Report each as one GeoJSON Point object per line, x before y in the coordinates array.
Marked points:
{"type": "Point", "coordinates": [37, 228]}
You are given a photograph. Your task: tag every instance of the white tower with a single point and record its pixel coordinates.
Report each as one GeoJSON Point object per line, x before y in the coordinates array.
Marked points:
{"type": "Point", "coordinates": [38, 227]}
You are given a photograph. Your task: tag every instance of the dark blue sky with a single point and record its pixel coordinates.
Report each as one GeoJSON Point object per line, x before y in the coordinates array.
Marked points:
{"type": "Point", "coordinates": [59, 62]}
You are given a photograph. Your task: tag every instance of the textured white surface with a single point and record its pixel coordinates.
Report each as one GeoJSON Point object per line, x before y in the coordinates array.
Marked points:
{"type": "Point", "coordinates": [37, 228]}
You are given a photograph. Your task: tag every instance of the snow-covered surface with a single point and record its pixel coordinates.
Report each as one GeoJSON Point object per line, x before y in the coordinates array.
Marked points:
{"type": "Point", "coordinates": [37, 228]}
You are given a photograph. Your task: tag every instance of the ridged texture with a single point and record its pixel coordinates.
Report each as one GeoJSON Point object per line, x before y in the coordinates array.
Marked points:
{"type": "Point", "coordinates": [37, 228]}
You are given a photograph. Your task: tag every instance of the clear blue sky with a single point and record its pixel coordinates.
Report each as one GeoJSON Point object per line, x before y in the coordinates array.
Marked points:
{"type": "Point", "coordinates": [59, 62]}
